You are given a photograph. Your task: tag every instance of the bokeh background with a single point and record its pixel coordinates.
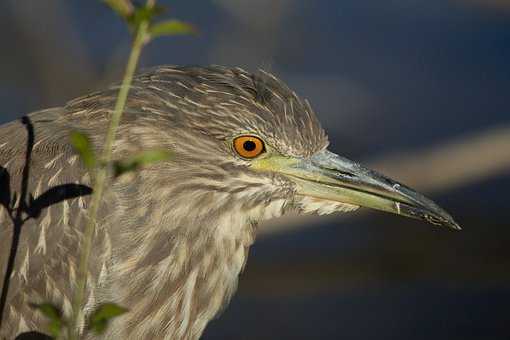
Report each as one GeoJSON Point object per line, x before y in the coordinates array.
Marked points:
{"type": "Point", "coordinates": [418, 89]}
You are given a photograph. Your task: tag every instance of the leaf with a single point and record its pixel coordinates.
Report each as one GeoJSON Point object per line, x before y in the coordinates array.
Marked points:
{"type": "Point", "coordinates": [82, 145]}
{"type": "Point", "coordinates": [123, 8]}
{"type": "Point", "coordinates": [171, 27]}
{"type": "Point", "coordinates": [5, 188]}
{"type": "Point", "coordinates": [103, 314]}
{"type": "Point", "coordinates": [54, 315]}
{"type": "Point", "coordinates": [136, 162]}
{"type": "Point", "coordinates": [56, 195]}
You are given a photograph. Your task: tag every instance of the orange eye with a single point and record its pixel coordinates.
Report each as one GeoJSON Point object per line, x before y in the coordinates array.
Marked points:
{"type": "Point", "coordinates": [249, 146]}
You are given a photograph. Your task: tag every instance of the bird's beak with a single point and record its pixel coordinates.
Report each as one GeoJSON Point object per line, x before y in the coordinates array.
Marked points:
{"type": "Point", "coordinates": [331, 177]}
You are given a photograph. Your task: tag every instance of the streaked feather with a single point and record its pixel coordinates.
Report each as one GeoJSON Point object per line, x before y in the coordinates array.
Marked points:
{"type": "Point", "coordinates": [172, 238]}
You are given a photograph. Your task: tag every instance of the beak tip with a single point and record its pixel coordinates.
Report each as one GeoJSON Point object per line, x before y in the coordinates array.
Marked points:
{"type": "Point", "coordinates": [447, 222]}
{"type": "Point", "coordinates": [454, 225]}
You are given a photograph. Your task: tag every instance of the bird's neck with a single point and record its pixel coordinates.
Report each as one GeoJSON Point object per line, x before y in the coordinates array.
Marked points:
{"type": "Point", "coordinates": [174, 279]}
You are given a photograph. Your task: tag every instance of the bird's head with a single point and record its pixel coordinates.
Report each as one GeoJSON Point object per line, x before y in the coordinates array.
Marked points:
{"type": "Point", "coordinates": [247, 142]}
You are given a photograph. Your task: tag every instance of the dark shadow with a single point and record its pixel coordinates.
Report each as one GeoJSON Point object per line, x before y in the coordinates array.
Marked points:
{"type": "Point", "coordinates": [27, 209]}
{"type": "Point", "coordinates": [33, 336]}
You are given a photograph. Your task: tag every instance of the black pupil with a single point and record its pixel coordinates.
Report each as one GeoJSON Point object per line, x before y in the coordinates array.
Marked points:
{"type": "Point", "coordinates": [249, 145]}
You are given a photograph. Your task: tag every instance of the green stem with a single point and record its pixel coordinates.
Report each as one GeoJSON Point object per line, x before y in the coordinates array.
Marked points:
{"type": "Point", "coordinates": [101, 174]}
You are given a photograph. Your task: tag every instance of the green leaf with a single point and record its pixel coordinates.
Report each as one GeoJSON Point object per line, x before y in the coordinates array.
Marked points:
{"type": "Point", "coordinates": [54, 315]}
{"type": "Point", "coordinates": [142, 159]}
{"type": "Point", "coordinates": [123, 8]}
{"type": "Point", "coordinates": [103, 314]}
{"type": "Point", "coordinates": [82, 145]}
{"type": "Point", "coordinates": [171, 27]}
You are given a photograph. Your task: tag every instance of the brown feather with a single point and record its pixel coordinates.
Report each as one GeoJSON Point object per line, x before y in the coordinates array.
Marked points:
{"type": "Point", "coordinates": [172, 238]}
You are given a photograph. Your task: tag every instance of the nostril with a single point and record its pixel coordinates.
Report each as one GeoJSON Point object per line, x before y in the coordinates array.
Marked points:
{"type": "Point", "coordinates": [346, 174]}
{"type": "Point", "coordinates": [339, 173]}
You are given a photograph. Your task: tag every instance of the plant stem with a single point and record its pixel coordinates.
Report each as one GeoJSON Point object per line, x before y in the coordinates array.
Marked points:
{"type": "Point", "coordinates": [100, 177]}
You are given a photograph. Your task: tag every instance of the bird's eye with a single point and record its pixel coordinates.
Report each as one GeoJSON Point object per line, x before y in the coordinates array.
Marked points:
{"type": "Point", "coordinates": [249, 146]}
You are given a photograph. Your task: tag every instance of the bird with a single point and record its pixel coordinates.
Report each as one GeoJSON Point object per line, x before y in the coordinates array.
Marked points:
{"type": "Point", "coordinates": [172, 238]}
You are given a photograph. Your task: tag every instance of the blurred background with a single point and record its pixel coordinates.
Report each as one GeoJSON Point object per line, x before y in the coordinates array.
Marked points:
{"type": "Point", "coordinates": [418, 89]}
